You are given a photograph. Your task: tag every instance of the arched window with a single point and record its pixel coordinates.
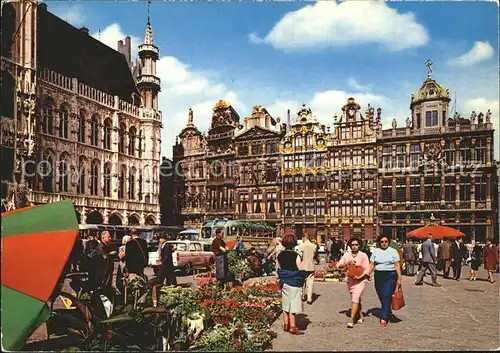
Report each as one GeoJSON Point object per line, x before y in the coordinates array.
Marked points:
{"type": "Point", "coordinates": [131, 141]}
{"type": "Point", "coordinates": [48, 116]}
{"type": "Point", "coordinates": [131, 186]}
{"type": "Point", "coordinates": [107, 134]}
{"type": "Point", "coordinates": [81, 174]}
{"type": "Point", "coordinates": [107, 180]}
{"type": "Point", "coordinates": [121, 140]}
{"type": "Point", "coordinates": [94, 131]}
{"type": "Point", "coordinates": [298, 141]}
{"type": "Point", "coordinates": [63, 121]}
{"type": "Point", "coordinates": [94, 178]}
{"type": "Point", "coordinates": [309, 140]}
{"type": "Point", "coordinates": [139, 194]}
{"type": "Point", "coordinates": [139, 144]}
{"type": "Point", "coordinates": [48, 172]}
{"type": "Point", "coordinates": [123, 177]}
{"type": "Point", "coordinates": [63, 174]}
{"type": "Point", "coordinates": [81, 126]}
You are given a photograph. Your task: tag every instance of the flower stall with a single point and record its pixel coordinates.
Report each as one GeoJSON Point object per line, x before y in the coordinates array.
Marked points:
{"type": "Point", "coordinates": [329, 274]}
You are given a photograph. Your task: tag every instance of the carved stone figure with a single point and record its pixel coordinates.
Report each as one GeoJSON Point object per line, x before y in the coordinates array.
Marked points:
{"type": "Point", "coordinates": [488, 117]}
{"type": "Point", "coordinates": [473, 117]}
{"type": "Point", "coordinates": [480, 118]}
{"type": "Point", "coordinates": [394, 124]}
{"type": "Point", "coordinates": [408, 122]}
{"type": "Point", "coordinates": [456, 116]}
{"type": "Point", "coordinates": [190, 116]}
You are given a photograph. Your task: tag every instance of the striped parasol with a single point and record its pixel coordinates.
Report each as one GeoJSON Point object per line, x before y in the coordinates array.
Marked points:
{"type": "Point", "coordinates": [36, 243]}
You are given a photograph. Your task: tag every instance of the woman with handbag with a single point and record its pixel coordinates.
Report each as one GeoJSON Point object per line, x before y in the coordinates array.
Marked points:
{"type": "Point", "coordinates": [386, 263]}
{"type": "Point", "coordinates": [358, 267]}
{"type": "Point", "coordinates": [291, 276]}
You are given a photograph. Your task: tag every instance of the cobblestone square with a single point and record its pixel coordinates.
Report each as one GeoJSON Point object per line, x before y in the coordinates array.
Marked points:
{"type": "Point", "coordinates": [458, 316]}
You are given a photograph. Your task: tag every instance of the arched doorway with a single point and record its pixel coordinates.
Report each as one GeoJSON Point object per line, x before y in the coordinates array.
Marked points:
{"type": "Point", "coordinates": [133, 220]}
{"type": "Point", "coordinates": [150, 221]}
{"type": "Point", "coordinates": [94, 217]}
{"type": "Point", "coordinates": [115, 220]}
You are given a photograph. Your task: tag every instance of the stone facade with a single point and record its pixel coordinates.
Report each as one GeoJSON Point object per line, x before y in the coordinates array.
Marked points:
{"type": "Point", "coordinates": [84, 143]}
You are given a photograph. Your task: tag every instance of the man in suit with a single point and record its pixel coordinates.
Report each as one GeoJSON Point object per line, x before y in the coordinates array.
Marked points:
{"type": "Point", "coordinates": [428, 262]}
{"type": "Point", "coordinates": [166, 263]}
{"type": "Point", "coordinates": [308, 250]}
{"type": "Point", "coordinates": [410, 256]}
{"type": "Point", "coordinates": [136, 254]}
{"type": "Point", "coordinates": [457, 254]}
{"type": "Point", "coordinates": [444, 257]}
{"type": "Point", "coordinates": [106, 261]}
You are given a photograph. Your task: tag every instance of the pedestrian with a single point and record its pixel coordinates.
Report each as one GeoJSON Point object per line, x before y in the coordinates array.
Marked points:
{"type": "Point", "coordinates": [428, 262]}
{"type": "Point", "coordinates": [490, 259]}
{"type": "Point", "coordinates": [92, 262]}
{"type": "Point", "coordinates": [328, 248]}
{"type": "Point", "coordinates": [336, 249]}
{"type": "Point", "coordinates": [355, 285]}
{"type": "Point", "coordinates": [444, 257]}
{"type": "Point", "coordinates": [136, 254]}
{"type": "Point", "coordinates": [166, 263]}
{"type": "Point", "coordinates": [457, 255]}
{"type": "Point", "coordinates": [291, 278]}
{"type": "Point", "coordinates": [220, 250]}
{"type": "Point", "coordinates": [386, 263]}
{"type": "Point", "coordinates": [106, 262]}
{"type": "Point", "coordinates": [476, 257]}
{"type": "Point", "coordinates": [121, 273]}
{"type": "Point", "coordinates": [410, 256]}
{"type": "Point", "coordinates": [308, 251]}
{"type": "Point", "coordinates": [239, 246]}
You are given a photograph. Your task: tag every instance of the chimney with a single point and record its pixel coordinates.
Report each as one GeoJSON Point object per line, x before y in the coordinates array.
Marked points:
{"type": "Point", "coordinates": [85, 30]}
{"type": "Point", "coordinates": [126, 50]}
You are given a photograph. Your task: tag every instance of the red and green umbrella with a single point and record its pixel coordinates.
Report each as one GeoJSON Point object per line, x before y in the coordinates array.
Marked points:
{"type": "Point", "coordinates": [36, 243]}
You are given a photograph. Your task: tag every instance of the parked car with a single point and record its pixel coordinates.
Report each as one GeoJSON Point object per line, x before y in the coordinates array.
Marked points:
{"type": "Point", "coordinates": [188, 256]}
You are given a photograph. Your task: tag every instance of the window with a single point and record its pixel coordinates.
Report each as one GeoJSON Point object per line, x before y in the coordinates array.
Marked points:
{"type": "Point", "coordinates": [357, 181]}
{"type": "Point", "coordinates": [346, 133]}
{"type": "Point", "coordinates": [432, 189]}
{"type": "Point", "coordinates": [415, 189]}
{"type": "Point", "coordinates": [334, 208]}
{"type": "Point", "coordinates": [431, 118]}
{"type": "Point", "coordinates": [121, 188]}
{"type": "Point", "coordinates": [450, 154]}
{"type": "Point", "coordinates": [356, 132]}
{"type": "Point", "coordinates": [368, 157]}
{"type": "Point", "coordinates": [346, 159]}
{"type": "Point", "coordinates": [465, 190]}
{"type": "Point", "coordinates": [299, 208]}
{"type": "Point", "coordinates": [450, 188]}
{"type": "Point", "coordinates": [63, 175]}
{"type": "Point", "coordinates": [309, 141]}
{"type": "Point", "coordinates": [139, 144]}
{"type": "Point", "coordinates": [480, 151]}
{"type": "Point", "coordinates": [243, 203]}
{"type": "Point", "coordinates": [121, 140]}
{"type": "Point", "coordinates": [418, 121]}
{"type": "Point", "coordinates": [310, 208]}
{"type": "Point", "coordinates": [48, 116]}
{"type": "Point", "coordinates": [320, 160]}
{"type": "Point", "coordinates": [81, 179]}
{"type": "Point", "coordinates": [346, 208]}
{"type": "Point", "coordinates": [243, 150]}
{"type": "Point", "coordinates": [356, 157]}
{"type": "Point", "coordinates": [271, 148]}
{"type": "Point", "coordinates": [320, 207]}
{"type": "Point", "coordinates": [299, 182]}
{"type": "Point", "coordinates": [320, 182]}
{"type": "Point", "coordinates": [107, 134]}
{"type": "Point", "coordinates": [298, 141]}
{"type": "Point", "coordinates": [465, 152]}
{"type": "Point", "coordinates": [131, 141]}
{"type": "Point", "coordinates": [48, 173]}
{"type": "Point", "coordinates": [271, 202]}
{"type": "Point", "coordinates": [310, 182]}
{"type": "Point", "coordinates": [94, 178]}
{"type": "Point", "coordinates": [107, 180]}
{"type": "Point", "coordinates": [309, 160]}
{"type": "Point", "coordinates": [63, 121]}
{"type": "Point", "coordinates": [356, 207]}
{"type": "Point", "coordinates": [271, 172]}
{"type": "Point", "coordinates": [299, 161]}
{"type": "Point", "coordinates": [287, 163]}
{"type": "Point", "coordinates": [288, 183]}
{"type": "Point", "coordinates": [257, 148]}
{"type": "Point", "coordinates": [369, 207]}
{"type": "Point", "coordinates": [387, 157]}
{"type": "Point", "coordinates": [199, 170]}
{"type": "Point", "coordinates": [414, 155]}
{"type": "Point", "coordinates": [480, 188]}
{"type": "Point", "coordinates": [369, 183]}
{"type": "Point", "coordinates": [94, 131]}
{"type": "Point", "coordinates": [335, 182]}
{"type": "Point", "coordinates": [131, 184]}
{"type": "Point", "coordinates": [401, 189]}
{"type": "Point", "coordinates": [400, 156]}
{"type": "Point", "coordinates": [257, 202]}
{"type": "Point", "coordinates": [387, 190]}
{"type": "Point", "coordinates": [81, 127]}
{"type": "Point", "coordinates": [288, 208]}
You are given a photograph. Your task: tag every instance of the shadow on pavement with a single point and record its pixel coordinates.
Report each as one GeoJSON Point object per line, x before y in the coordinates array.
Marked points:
{"type": "Point", "coordinates": [301, 321]}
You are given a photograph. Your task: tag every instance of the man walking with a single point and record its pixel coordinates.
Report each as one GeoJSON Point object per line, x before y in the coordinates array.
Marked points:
{"type": "Point", "coordinates": [410, 256]}
{"type": "Point", "coordinates": [444, 256]}
{"type": "Point", "coordinates": [308, 250]}
{"type": "Point", "coordinates": [336, 249]}
{"type": "Point", "coordinates": [166, 263]}
{"type": "Point", "coordinates": [106, 263]}
{"type": "Point", "coordinates": [428, 262]}
{"type": "Point", "coordinates": [457, 254]}
{"type": "Point", "coordinates": [328, 249]}
{"type": "Point", "coordinates": [136, 254]}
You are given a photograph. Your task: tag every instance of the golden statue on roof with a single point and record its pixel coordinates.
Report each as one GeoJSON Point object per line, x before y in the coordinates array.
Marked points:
{"type": "Point", "coordinates": [221, 104]}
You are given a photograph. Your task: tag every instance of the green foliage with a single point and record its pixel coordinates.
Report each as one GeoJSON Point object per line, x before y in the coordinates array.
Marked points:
{"type": "Point", "coordinates": [238, 266]}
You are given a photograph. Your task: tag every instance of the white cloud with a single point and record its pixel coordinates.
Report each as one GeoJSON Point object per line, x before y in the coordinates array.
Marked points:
{"type": "Point", "coordinates": [355, 85]}
{"type": "Point", "coordinates": [72, 14]}
{"type": "Point", "coordinates": [112, 34]}
{"type": "Point", "coordinates": [332, 24]}
{"type": "Point", "coordinates": [480, 51]}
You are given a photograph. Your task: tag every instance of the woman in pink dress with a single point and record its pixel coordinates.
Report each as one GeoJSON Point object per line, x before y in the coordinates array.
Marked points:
{"type": "Point", "coordinates": [355, 285]}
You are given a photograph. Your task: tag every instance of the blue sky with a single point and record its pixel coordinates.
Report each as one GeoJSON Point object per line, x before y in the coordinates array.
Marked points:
{"type": "Point", "coordinates": [281, 54]}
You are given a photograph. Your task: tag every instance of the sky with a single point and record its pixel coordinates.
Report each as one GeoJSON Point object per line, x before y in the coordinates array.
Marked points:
{"type": "Point", "coordinates": [283, 54]}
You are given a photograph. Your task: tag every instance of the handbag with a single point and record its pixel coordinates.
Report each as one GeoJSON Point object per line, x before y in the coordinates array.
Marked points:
{"type": "Point", "coordinates": [398, 300]}
{"type": "Point", "coordinates": [354, 271]}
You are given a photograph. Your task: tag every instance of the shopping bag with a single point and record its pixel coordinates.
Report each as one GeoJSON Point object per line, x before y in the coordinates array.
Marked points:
{"type": "Point", "coordinates": [398, 300]}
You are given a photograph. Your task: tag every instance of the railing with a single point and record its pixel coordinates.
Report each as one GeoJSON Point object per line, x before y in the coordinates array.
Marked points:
{"type": "Point", "coordinates": [149, 47]}
{"type": "Point", "coordinates": [148, 79]}
{"type": "Point", "coordinates": [433, 206]}
{"type": "Point", "coordinates": [435, 130]}
{"type": "Point", "coordinates": [192, 210]}
{"type": "Point", "coordinates": [221, 136]}
{"type": "Point", "coordinates": [256, 216]}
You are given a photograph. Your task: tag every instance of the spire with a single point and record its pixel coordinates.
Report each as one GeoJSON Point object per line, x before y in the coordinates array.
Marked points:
{"type": "Point", "coordinates": [148, 35]}
{"type": "Point", "coordinates": [149, 10]}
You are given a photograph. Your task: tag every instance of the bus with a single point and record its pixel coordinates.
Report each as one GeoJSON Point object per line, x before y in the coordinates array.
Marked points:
{"type": "Point", "coordinates": [255, 234]}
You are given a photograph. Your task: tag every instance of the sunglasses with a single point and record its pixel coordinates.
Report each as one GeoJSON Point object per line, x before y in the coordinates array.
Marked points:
{"type": "Point", "coordinates": [384, 241]}
{"type": "Point", "coordinates": [354, 244]}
